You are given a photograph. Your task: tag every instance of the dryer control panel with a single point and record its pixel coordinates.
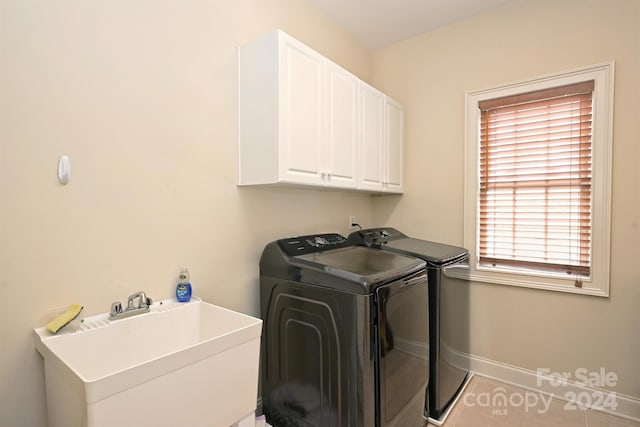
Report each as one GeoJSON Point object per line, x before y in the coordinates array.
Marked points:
{"type": "Point", "coordinates": [375, 236]}
{"type": "Point", "coordinates": [303, 245]}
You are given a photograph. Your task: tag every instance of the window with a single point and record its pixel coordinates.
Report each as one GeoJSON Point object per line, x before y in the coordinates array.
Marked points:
{"type": "Point", "coordinates": [535, 180]}
{"type": "Point", "coordinates": [537, 192]}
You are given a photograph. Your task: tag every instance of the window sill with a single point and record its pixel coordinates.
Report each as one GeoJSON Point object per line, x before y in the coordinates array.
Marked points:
{"type": "Point", "coordinates": [526, 281]}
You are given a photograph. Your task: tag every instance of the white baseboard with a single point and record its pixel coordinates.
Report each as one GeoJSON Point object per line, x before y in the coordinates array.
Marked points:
{"type": "Point", "coordinates": [626, 406]}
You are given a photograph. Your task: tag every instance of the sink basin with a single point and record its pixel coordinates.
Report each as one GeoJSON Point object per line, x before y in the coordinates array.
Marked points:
{"type": "Point", "coordinates": [182, 364]}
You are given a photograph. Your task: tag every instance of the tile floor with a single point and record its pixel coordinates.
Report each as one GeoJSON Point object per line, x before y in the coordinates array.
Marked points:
{"type": "Point", "coordinates": [477, 411]}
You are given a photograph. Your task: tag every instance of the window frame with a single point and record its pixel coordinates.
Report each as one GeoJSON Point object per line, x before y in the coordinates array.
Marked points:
{"type": "Point", "coordinates": [598, 282]}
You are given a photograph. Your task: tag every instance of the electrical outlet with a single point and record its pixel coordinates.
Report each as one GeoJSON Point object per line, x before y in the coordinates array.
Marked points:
{"type": "Point", "coordinates": [352, 220]}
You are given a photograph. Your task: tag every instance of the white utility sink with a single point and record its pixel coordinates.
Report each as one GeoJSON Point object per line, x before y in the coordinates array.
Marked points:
{"type": "Point", "coordinates": [180, 365]}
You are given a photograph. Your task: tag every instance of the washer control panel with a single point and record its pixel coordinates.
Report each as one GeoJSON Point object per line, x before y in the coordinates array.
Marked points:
{"type": "Point", "coordinates": [302, 245]}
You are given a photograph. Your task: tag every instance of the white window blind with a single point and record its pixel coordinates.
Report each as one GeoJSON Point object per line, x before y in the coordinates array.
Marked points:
{"type": "Point", "coordinates": [535, 180]}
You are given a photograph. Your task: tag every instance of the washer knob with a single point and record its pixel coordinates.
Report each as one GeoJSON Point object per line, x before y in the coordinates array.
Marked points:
{"type": "Point", "coordinates": [320, 241]}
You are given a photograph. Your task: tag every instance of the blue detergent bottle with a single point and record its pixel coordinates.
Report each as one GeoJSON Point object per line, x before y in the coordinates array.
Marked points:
{"type": "Point", "coordinates": [183, 290]}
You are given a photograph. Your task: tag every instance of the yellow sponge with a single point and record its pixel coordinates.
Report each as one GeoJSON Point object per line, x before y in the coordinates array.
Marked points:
{"type": "Point", "coordinates": [63, 320]}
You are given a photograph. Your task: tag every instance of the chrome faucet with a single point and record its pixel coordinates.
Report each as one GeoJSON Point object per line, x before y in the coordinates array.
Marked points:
{"type": "Point", "coordinates": [144, 304]}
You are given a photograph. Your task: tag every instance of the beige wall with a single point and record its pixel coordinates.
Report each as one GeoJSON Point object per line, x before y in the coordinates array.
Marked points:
{"type": "Point", "coordinates": [430, 75]}
{"type": "Point", "coordinates": [142, 95]}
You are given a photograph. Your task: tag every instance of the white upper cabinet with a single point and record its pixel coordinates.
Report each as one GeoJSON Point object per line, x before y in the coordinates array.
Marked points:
{"type": "Point", "coordinates": [300, 121]}
{"type": "Point", "coordinates": [372, 142]}
{"type": "Point", "coordinates": [381, 122]}
{"type": "Point", "coordinates": [302, 105]}
{"type": "Point", "coordinates": [394, 145]}
{"type": "Point", "coordinates": [342, 127]}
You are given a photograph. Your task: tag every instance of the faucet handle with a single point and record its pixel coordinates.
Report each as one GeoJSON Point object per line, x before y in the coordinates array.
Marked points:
{"type": "Point", "coordinates": [145, 301]}
{"type": "Point", "coordinates": [116, 308]}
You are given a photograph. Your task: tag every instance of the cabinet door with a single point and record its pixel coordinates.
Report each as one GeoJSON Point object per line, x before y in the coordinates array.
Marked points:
{"type": "Point", "coordinates": [342, 127]}
{"type": "Point", "coordinates": [394, 129]}
{"type": "Point", "coordinates": [372, 138]}
{"type": "Point", "coordinates": [301, 128]}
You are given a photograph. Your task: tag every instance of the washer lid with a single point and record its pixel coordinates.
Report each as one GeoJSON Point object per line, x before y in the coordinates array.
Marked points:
{"type": "Point", "coordinates": [359, 264]}
{"type": "Point", "coordinates": [437, 253]}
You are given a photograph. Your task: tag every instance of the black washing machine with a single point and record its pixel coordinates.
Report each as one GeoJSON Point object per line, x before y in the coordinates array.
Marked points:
{"type": "Point", "coordinates": [448, 311]}
{"type": "Point", "coordinates": [344, 339]}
